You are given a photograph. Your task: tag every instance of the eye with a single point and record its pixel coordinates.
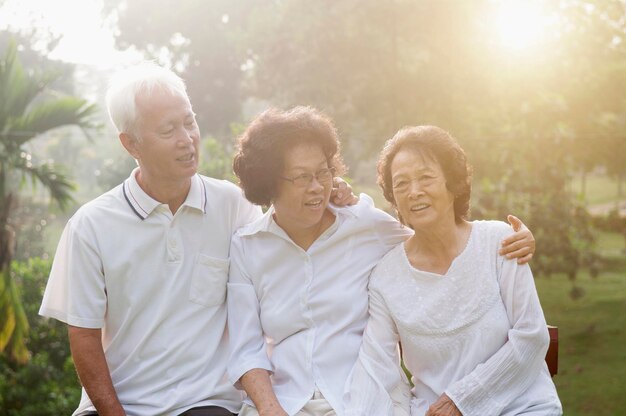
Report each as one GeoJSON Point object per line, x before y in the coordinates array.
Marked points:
{"type": "Point", "coordinates": [303, 179]}
{"type": "Point", "coordinates": [324, 174]}
{"type": "Point", "coordinates": [399, 183]}
{"type": "Point", "coordinates": [167, 133]}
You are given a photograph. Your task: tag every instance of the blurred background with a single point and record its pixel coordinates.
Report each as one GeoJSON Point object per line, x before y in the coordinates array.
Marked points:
{"type": "Point", "coordinates": [535, 91]}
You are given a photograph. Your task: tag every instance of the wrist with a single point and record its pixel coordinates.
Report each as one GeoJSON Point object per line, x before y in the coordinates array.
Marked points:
{"type": "Point", "coordinates": [271, 409]}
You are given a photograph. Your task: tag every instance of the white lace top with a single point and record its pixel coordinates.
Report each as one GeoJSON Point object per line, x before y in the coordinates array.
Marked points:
{"type": "Point", "coordinates": [476, 333]}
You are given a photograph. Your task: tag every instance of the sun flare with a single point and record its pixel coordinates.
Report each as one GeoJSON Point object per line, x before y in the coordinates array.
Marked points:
{"type": "Point", "coordinates": [520, 23]}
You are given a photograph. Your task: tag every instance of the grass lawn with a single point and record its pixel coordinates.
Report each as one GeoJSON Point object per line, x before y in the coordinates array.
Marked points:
{"type": "Point", "coordinates": [600, 189]}
{"type": "Point", "coordinates": [592, 341]}
{"type": "Point", "coordinates": [610, 245]}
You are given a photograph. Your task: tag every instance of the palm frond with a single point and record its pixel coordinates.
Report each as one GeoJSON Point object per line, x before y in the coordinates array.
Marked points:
{"type": "Point", "coordinates": [19, 89]}
{"type": "Point", "coordinates": [48, 115]}
{"type": "Point", "coordinates": [52, 178]}
{"type": "Point", "coordinates": [24, 114]}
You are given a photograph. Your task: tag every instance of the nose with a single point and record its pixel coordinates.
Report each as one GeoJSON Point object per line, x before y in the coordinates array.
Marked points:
{"type": "Point", "coordinates": [185, 137]}
{"type": "Point", "coordinates": [415, 189]}
{"type": "Point", "coordinates": [315, 185]}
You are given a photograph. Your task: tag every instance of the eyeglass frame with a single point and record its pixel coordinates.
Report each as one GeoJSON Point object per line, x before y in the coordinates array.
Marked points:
{"type": "Point", "coordinates": [310, 177]}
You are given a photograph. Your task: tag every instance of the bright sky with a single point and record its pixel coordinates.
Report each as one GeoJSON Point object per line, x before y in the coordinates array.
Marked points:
{"type": "Point", "coordinates": [86, 37]}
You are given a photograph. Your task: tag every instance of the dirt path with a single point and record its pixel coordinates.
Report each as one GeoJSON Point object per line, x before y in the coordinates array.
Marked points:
{"type": "Point", "coordinates": [604, 209]}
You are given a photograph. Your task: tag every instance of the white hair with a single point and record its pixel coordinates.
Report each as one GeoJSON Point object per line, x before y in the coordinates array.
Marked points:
{"type": "Point", "coordinates": [125, 85]}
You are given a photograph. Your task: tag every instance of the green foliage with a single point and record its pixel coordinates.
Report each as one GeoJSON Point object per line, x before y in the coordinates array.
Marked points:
{"type": "Point", "coordinates": [214, 161]}
{"type": "Point", "coordinates": [541, 198]}
{"type": "Point", "coordinates": [206, 49]}
{"type": "Point", "coordinates": [376, 66]}
{"type": "Point", "coordinates": [592, 374]}
{"type": "Point", "coordinates": [611, 222]}
{"type": "Point", "coordinates": [47, 384]}
{"type": "Point", "coordinates": [27, 109]}
{"type": "Point", "coordinates": [14, 323]}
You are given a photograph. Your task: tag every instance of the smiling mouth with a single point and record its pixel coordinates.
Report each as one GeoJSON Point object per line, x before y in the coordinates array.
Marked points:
{"type": "Point", "coordinates": [188, 157]}
{"type": "Point", "coordinates": [419, 207]}
{"type": "Point", "coordinates": [314, 204]}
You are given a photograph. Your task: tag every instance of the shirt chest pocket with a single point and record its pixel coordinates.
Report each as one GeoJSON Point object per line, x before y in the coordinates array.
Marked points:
{"type": "Point", "coordinates": [208, 281]}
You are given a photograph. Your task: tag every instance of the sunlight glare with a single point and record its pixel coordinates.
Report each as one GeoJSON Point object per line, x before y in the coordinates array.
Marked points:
{"type": "Point", "coordinates": [85, 38]}
{"type": "Point", "coordinates": [520, 23]}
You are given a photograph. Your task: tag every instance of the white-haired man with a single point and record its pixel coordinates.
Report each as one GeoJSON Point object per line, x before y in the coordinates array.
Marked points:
{"type": "Point", "coordinates": [140, 272]}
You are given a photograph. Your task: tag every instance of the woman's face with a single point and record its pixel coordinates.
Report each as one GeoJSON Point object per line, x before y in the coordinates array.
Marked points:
{"type": "Point", "coordinates": [301, 204]}
{"type": "Point", "coordinates": [419, 190]}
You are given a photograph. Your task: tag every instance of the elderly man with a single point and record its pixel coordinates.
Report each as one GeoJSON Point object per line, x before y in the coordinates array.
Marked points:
{"type": "Point", "coordinates": [140, 272]}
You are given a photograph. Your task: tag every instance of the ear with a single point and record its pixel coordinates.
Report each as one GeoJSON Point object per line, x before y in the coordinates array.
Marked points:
{"type": "Point", "coordinates": [130, 144]}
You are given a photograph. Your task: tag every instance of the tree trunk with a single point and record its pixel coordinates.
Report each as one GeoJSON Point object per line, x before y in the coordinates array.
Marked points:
{"type": "Point", "coordinates": [7, 235]}
{"type": "Point", "coordinates": [583, 185]}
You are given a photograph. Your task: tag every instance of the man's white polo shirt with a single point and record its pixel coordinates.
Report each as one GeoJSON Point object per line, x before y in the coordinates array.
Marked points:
{"type": "Point", "coordinates": [156, 285]}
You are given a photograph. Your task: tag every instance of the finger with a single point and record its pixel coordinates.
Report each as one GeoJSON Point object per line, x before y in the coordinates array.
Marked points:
{"type": "Point", "coordinates": [524, 236]}
{"type": "Point", "coordinates": [510, 246]}
{"type": "Point", "coordinates": [340, 199]}
{"type": "Point", "coordinates": [337, 194]}
{"type": "Point", "coordinates": [348, 199]}
{"type": "Point", "coordinates": [513, 247]}
{"type": "Point", "coordinates": [525, 259]}
{"type": "Point", "coordinates": [339, 183]}
{"type": "Point", "coordinates": [515, 222]}
{"type": "Point", "coordinates": [516, 254]}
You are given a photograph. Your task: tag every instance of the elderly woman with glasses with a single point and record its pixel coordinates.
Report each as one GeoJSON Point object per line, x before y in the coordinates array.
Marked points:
{"type": "Point", "coordinates": [297, 291]}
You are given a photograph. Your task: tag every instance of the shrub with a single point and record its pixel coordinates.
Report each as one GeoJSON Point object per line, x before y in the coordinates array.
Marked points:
{"type": "Point", "coordinates": [47, 384]}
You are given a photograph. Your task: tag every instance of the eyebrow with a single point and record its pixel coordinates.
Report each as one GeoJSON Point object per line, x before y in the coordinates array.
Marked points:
{"type": "Point", "coordinates": [306, 167]}
{"type": "Point", "coordinates": [405, 173]}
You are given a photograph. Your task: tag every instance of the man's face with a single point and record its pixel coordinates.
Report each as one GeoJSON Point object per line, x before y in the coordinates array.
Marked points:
{"type": "Point", "coordinates": [168, 138]}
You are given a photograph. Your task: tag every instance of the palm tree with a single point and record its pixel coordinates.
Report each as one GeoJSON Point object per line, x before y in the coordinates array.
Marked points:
{"type": "Point", "coordinates": [28, 108]}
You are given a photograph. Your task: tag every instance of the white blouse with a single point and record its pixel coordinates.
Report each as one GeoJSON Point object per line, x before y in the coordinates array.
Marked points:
{"type": "Point", "coordinates": [301, 314]}
{"type": "Point", "coordinates": [476, 333]}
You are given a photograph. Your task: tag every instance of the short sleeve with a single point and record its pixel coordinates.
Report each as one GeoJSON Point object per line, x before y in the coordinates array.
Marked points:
{"type": "Point", "coordinates": [76, 292]}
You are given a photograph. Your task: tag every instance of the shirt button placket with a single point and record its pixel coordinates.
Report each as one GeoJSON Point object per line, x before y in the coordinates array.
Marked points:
{"type": "Point", "coordinates": [310, 339]}
{"type": "Point", "coordinates": [173, 249]}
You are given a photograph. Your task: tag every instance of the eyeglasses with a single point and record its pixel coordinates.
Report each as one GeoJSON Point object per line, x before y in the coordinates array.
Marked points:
{"type": "Point", "coordinates": [305, 179]}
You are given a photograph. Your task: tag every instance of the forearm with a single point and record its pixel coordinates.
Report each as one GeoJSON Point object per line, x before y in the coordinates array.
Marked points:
{"type": "Point", "coordinates": [257, 384]}
{"type": "Point", "coordinates": [514, 367]}
{"type": "Point", "coordinates": [92, 369]}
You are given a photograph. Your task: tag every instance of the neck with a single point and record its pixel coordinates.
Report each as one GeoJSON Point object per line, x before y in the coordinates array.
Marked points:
{"type": "Point", "coordinates": [434, 248]}
{"type": "Point", "coordinates": [172, 193]}
{"type": "Point", "coordinates": [304, 237]}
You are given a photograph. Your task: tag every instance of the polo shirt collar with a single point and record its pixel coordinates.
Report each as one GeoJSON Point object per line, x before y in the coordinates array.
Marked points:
{"type": "Point", "coordinates": [267, 224]}
{"type": "Point", "coordinates": [143, 204]}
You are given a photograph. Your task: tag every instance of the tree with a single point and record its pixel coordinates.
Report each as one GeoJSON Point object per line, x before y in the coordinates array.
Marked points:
{"type": "Point", "coordinates": [28, 108]}
{"type": "Point", "coordinates": [201, 41]}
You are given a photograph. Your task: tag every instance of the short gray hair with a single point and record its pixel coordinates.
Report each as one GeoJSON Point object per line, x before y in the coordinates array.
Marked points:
{"type": "Point", "coordinates": [125, 85]}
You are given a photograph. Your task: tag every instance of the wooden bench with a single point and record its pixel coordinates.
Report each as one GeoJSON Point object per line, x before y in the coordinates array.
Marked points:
{"type": "Point", "coordinates": [552, 356]}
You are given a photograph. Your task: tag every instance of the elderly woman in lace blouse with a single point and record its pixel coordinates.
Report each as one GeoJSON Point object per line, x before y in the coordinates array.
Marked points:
{"type": "Point", "coordinates": [469, 321]}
